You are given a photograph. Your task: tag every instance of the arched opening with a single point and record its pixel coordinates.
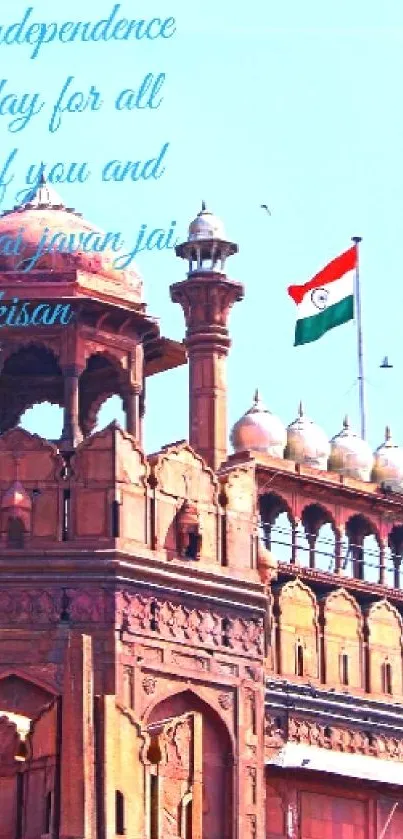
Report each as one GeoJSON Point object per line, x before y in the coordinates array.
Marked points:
{"type": "Point", "coordinates": [320, 536]}
{"type": "Point", "coordinates": [371, 559]}
{"type": "Point", "coordinates": [393, 568]}
{"type": "Point", "coordinates": [110, 410]}
{"type": "Point", "coordinates": [363, 559]}
{"type": "Point", "coordinates": [29, 794]}
{"type": "Point", "coordinates": [44, 419]}
{"type": "Point", "coordinates": [15, 533]}
{"type": "Point", "coordinates": [100, 394]}
{"type": "Point", "coordinates": [217, 763]}
{"type": "Point", "coordinates": [276, 527]}
{"type": "Point", "coordinates": [31, 377]}
{"type": "Point", "coordinates": [325, 548]}
{"type": "Point", "coordinates": [302, 547]}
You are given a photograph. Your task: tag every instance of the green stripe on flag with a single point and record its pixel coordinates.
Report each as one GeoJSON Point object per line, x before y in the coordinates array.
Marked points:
{"type": "Point", "coordinates": [310, 329]}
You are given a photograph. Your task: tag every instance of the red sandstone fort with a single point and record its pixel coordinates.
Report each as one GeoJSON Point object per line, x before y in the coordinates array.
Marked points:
{"type": "Point", "coordinates": [194, 644]}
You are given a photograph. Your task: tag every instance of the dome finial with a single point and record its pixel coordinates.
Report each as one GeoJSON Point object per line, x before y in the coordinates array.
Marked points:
{"type": "Point", "coordinates": [306, 442]}
{"type": "Point", "coordinates": [259, 430]}
{"type": "Point", "coordinates": [204, 207]}
{"type": "Point", "coordinates": [349, 454]}
{"type": "Point", "coordinates": [388, 465]}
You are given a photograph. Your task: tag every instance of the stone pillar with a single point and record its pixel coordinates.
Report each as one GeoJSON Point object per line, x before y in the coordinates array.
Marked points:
{"type": "Point", "coordinates": [142, 411]}
{"type": "Point", "coordinates": [71, 434]}
{"type": "Point", "coordinates": [132, 401]}
{"type": "Point", "coordinates": [206, 299]}
{"type": "Point", "coordinates": [77, 790]}
{"type": "Point", "coordinates": [382, 563]}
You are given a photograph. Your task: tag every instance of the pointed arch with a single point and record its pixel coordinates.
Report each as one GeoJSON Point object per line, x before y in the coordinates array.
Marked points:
{"type": "Point", "coordinates": [277, 525]}
{"type": "Point", "coordinates": [385, 647]}
{"type": "Point", "coordinates": [195, 693]}
{"type": "Point", "coordinates": [343, 640]}
{"type": "Point", "coordinates": [298, 630]}
{"type": "Point", "coordinates": [217, 757]}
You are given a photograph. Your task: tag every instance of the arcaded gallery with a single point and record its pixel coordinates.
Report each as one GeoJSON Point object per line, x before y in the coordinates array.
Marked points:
{"type": "Point", "coordinates": [204, 642]}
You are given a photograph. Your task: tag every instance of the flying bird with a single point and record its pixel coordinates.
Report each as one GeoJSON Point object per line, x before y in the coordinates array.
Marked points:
{"type": "Point", "coordinates": [385, 364]}
{"type": "Point", "coordinates": [265, 207]}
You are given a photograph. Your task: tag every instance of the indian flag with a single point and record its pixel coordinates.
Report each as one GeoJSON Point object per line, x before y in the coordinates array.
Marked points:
{"type": "Point", "coordinates": [327, 300]}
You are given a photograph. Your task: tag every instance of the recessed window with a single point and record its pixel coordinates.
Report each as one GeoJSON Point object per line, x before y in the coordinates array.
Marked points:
{"type": "Point", "coordinates": [15, 533]}
{"type": "Point", "coordinates": [387, 677]}
{"type": "Point", "coordinates": [344, 669]}
{"type": "Point", "coordinates": [120, 814]}
{"type": "Point", "coordinates": [192, 548]}
{"type": "Point", "coordinates": [299, 660]}
{"type": "Point", "coordinates": [48, 813]}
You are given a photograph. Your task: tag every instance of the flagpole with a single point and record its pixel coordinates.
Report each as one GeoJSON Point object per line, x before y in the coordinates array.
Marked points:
{"type": "Point", "coordinates": [360, 351]}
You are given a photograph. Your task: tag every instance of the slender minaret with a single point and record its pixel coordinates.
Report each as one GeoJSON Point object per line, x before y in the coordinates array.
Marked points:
{"type": "Point", "coordinates": [206, 296]}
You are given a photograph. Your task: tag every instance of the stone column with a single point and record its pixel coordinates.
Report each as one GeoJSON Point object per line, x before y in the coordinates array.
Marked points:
{"type": "Point", "coordinates": [132, 401]}
{"type": "Point", "coordinates": [206, 299]}
{"type": "Point", "coordinates": [142, 411]}
{"type": "Point", "coordinates": [382, 563]}
{"type": "Point", "coordinates": [71, 434]}
{"type": "Point", "coordinates": [77, 791]}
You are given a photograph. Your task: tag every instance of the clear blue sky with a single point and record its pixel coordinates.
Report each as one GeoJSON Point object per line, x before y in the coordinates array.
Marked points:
{"type": "Point", "coordinates": [297, 105]}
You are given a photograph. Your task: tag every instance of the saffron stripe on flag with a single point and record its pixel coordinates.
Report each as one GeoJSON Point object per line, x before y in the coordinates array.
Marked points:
{"type": "Point", "coordinates": [333, 271]}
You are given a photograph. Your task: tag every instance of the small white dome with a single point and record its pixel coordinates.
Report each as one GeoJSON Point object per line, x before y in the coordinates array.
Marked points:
{"type": "Point", "coordinates": [307, 443]}
{"type": "Point", "coordinates": [259, 430]}
{"type": "Point", "coordinates": [350, 455]}
{"type": "Point", "coordinates": [206, 226]}
{"type": "Point", "coordinates": [388, 464]}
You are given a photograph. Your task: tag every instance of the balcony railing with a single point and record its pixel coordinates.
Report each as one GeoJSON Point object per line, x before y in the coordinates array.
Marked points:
{"type": "Point", "coordinates": [367, 561]}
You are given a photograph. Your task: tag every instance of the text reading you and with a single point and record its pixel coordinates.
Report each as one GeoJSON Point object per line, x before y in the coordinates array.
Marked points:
{"type": "Point", "coordinates": [113, 28]}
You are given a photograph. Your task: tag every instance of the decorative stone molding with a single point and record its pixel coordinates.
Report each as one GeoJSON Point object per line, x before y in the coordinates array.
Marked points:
{"type": "Point", "coordinates": [306, 732]}
{"type": "Point", "coordinates": [176, 622]}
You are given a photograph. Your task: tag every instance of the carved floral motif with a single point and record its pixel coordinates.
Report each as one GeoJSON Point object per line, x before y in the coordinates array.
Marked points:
{"type": "Point", "coordinates": [149, 685]}
{"type": "Point", "coordinates": [176, 622]}
{"type": "Point", "coordinates": [225, 700]}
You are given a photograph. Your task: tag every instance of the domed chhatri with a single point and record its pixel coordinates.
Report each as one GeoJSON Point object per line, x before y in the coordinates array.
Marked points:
{"type": "Point", "coordinates": [259, 430]}
{"type": "Point", "coordinates": [206, 248]}
{"type": "Point", "coordinates": [388, 464]}
{"type": "Point", "coordinates": [44, 219]}
{"type": "Point", "coordinates": [307, 443]}
{"type": "Point", "coordinates": [206, 226]}
{"type": "Point", "coordinates": [350, 455]}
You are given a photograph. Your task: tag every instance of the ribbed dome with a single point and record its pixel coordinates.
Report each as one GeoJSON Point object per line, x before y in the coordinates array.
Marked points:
{"type": "Point", "coordinates": [350, 455]}
{"type": "Point", "coordinates": [259, 430]}
{"type": "Point", "coordinates": [46, 210]}
{"type": "Point", "coordinates": [388, 464]}
{"type": "Point", "coordinates": [206, 226]}
{"type": "Point", "coordinates": [307, 443]}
